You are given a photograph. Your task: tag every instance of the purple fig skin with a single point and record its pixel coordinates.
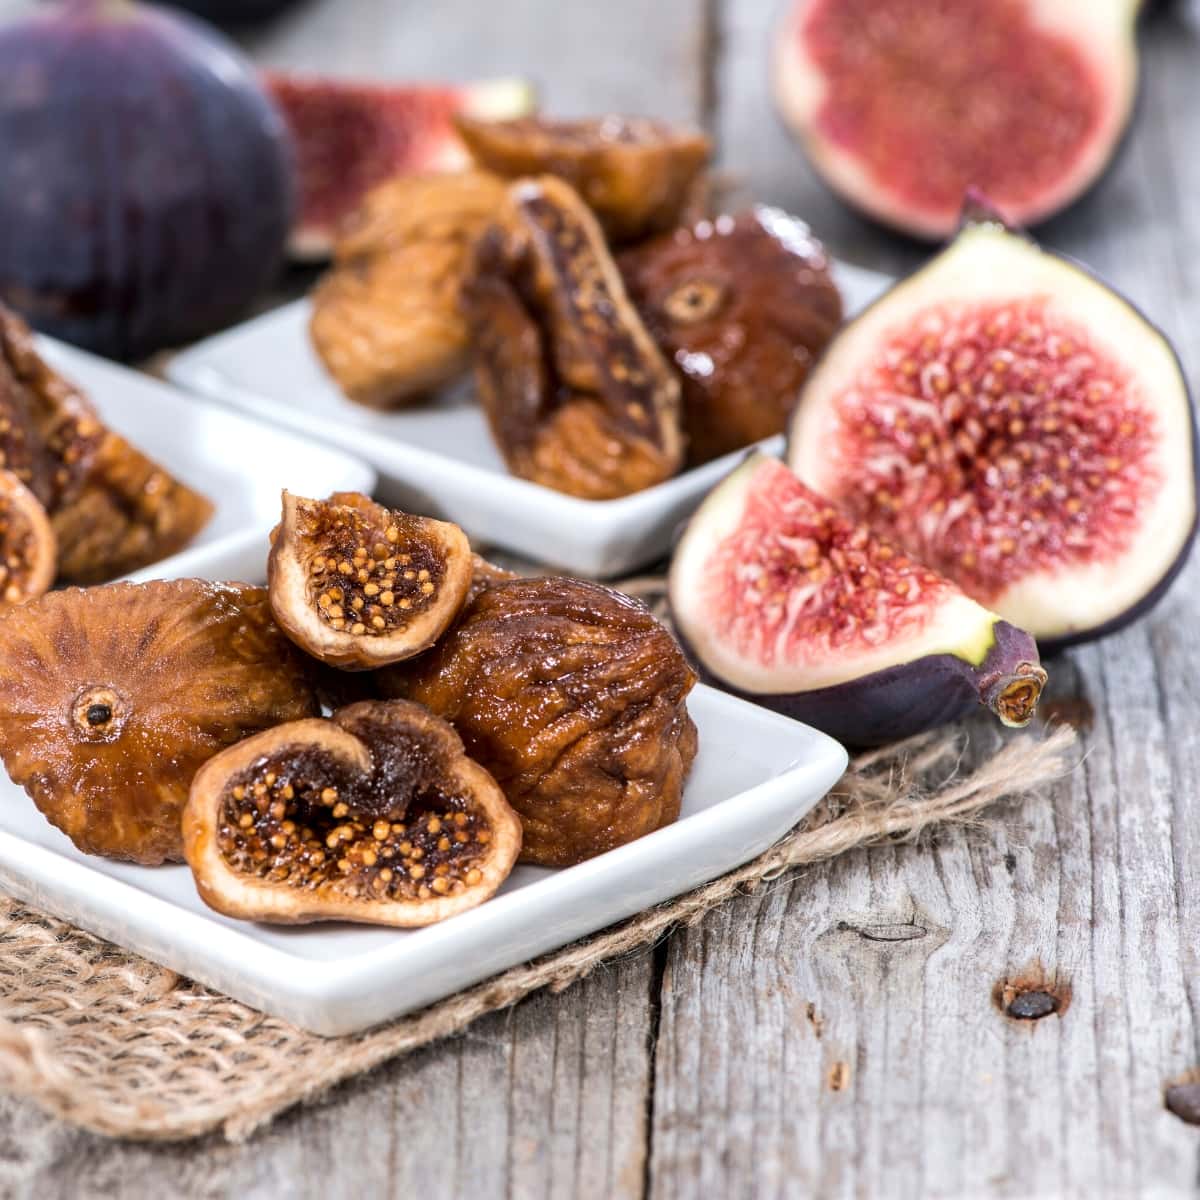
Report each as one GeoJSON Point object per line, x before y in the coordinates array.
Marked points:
{"type": "Point", "coordinates": [148, 181]}
{"type": "Point", "coordinates": [913, 697]}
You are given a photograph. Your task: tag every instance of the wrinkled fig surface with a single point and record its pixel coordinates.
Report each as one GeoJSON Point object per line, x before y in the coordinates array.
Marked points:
{"type": "Point", "coordinates": [574, 697]}
{"type": "Point", "coordinates": [28, 548]}
{"type": "Point", "coordinates": [742, 305]}
{"type": "Point", "coordinates": [114, 696]}
{"type": "Point", "coordinates": [636, 174]}
{"type": "Point", "coordinates": [376, 815]}
{"type": "Point", "coordinates": [577, 394]}
{"type": "Point", "coordinates": [359, 585]}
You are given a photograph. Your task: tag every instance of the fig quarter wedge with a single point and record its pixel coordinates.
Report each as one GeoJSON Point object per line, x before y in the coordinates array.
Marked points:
{"type": "Point", "coordinates": [28, 547]}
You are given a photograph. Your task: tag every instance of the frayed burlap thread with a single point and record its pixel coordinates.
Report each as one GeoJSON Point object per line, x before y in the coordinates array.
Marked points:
{"type": "Point", "coordinates": [106, 1040]}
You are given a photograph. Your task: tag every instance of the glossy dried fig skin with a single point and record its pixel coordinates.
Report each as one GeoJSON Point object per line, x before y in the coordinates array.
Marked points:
{"type": "Point", "coordinates": [635, 173]}
{"type": "Point", "coordinates": [376, 815]}
{"type": "Point", "coordinates": [28, 549]}
{"type": "Point", "coordinates": [115, 695]}
{"type": "Point", "coordinates": [574, 697]}
{"type": "Point", "coordinates": [359, 585]}
{"type": "Point", "coordinates": [577, 394]}
{"type": "Point", "coordinates": [113, 510]}
{"type": "Point", "coordinates": [386, 320]}
{"type": "Point", "coordinates": [742, 305]}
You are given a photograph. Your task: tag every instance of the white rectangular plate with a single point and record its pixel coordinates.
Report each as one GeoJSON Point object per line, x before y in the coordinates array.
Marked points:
{"type": "Point", "coordinates": [439, 458]}
{"type": "Point", "coordinates": [755, 776]}
{"type": "Point", "coordinates": [239, 463]}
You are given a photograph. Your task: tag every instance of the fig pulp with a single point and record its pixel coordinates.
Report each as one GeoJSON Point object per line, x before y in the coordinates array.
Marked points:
{"type": "Point", "coordinates": [1008, 420]}
{"type": "Point", "coordinates": [577, 394]}
{"type": "Point", "coordinates": [350, 137]}
{"type": "Point", "coordinates": [27, 546]}
{"type": "Point", "coordinates": [741, 305]}
{"type": "Point", "coordinates": [574, 697]}
{"type": "Point", "coordinates": [637, 175]}
{"type": "Point", "coordinates": [376, 815]}
{"type": "Point", "coordinates": [785, 601]}
{"type": "Point", "coordinates": [358, 585]}
{"type": "Point", "coordinates": [114, 696]}
{"type": "Point", "coordinates": [902, 106]}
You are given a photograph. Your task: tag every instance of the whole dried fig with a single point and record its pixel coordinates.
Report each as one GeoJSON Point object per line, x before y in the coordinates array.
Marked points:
{"type": "Point", "coordinates": [574, 697]}
{"type": "Point", "coordinates": [578, 396]}
{"type": "Point", "coordinates": [114, 696]}
{"type": "Point", "coordinates": [376, 815]}
{"type": "Point", "coordinates": [27, 543]}
{"type": "Point", "coordinates": [742, 305]}
{"type": "Point", "coordinates": [358, 585]}
{"type": "Point", "coordinates": [635, 173]}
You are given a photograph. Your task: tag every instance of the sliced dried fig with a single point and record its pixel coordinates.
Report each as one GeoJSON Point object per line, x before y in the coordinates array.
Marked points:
{"type": "Point", "coordinates": [359, 585]}
{"type": "Point", "coordinates": [27, 545]}
{"type": "Point", "coordinates": [578, 396]}
{"type": "Point", "coordinates": [574, 697]}
{"type": "Point", "coordinates": [376, 815]}
{"type": "Point", "coordinates": [114, 696]}
{"type": "Point", "coordinates": [636, 174]}
{"type": "Point", "coordinates": [386, 320]}
{"type": "Point", "coordinates": [742, 305]}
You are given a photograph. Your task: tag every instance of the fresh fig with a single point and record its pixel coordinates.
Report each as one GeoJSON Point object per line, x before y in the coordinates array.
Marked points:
{"type": "Point", "coordinates": [376, 815]}
{"type": "Point", "coordinates": [148, 180]}
{"type": "Point", "coordinates": [28, 549]}
{"type": "Point", "coordinates": [1008, 420]}
{"type": "Point", "coordinates": [902, 106]}
{"type": "Point", "coordinates": [787, 602]}
{"type": "Point", "coordinates": [358, 585]}
{"type": "Point", "coordinates": [352, 136]}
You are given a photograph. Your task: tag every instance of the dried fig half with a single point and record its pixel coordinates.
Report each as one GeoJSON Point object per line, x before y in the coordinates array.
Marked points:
{"type": "Point", "coordinates": [359, 585]}
{"type": "Point", "coordinates": [635, 173]}
{"type": "Point", "coordinates": [375, 815]}
{"type": "Point", "coordinates": [575, 698]}
{"type": "Point", "coordinates": [742, 305]}
{"type": "Point", "coordinates": [577, 394]}
{"type": "Point", "coordinates": [114, 696]}
{"type": "Point", "coordinates": [27, 544]}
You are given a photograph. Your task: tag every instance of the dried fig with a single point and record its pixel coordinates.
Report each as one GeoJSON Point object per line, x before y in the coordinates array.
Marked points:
{"type": "Point", "coordinates": [386, 320]}
{"type": "Point", "coordinates": [742, 305]}
{"type": "Point", "coordinates": [114, 695]}
{"type": "Point", "coordinates": [635, 173]}
{"type": "Point", "coordinates": [577, 394]}
{"type": "Point", "coordinates": [574, 697]}
{"type": "Point", "coordinates": [27, 543]}
{"type": "Point", "coordinates": [112, 509]}
{"type": "Point", "coordinates": [376, 815]}
{"type": "Point", "coordinates": [358, 585]}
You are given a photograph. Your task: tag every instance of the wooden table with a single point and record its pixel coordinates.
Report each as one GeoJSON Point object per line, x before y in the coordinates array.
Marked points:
{"type": "Point", "coordinates": [774, 1049]}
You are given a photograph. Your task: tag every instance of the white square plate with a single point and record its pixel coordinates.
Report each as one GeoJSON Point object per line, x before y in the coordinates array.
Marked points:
{"type": "Point", "coordinates": [240, 464]}
{"type": "Point", "coordinates": [439, 458]}
{"type": "Point", "coordinates": [755, 776]}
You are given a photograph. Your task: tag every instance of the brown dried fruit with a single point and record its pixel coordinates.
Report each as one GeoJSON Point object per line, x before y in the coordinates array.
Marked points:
{"type": "Point", "coordinates": [742, 305]}
{"type": "Point", "coordinates": [27, 543]}
{"type": "Point", "coordinates": [112, 509]}
{"type": "Point", "coordinates": [386, 319]}
{"type": "Point", "coordinates": [359, 585]}
{"type": "Point", "coordinates": [574, 697]}
{"type": "Point", "coordinates": [376, 815]}
{"type": "Point", "coordinates": [578, 396]}
{"type": "Point", "coordinates": [636, 174]}
{"type": "Point", "coordinates": [114, 696]}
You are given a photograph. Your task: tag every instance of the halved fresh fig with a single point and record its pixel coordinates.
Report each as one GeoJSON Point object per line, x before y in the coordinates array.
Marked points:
{"type": "Point", "coordinates": [742, 305]}
{"type": "Point", "coordinates": [113, 696]}
{"type": "Point", "coordinates": [1008, 420]}
{"type": "Point", "coordinates": [28, 548]}
{"type": "Point", "coordinates": [785, 601]}
{"type": "Point", "coordinates": [376, 815]}
{"type": "Point", "coordinates": [359, 585]}
{"type": "Point", "coordinates": [351, 136]}
{"type": "Point", "coordinates": [901, 107]}
{"type": "Point", "coordinates": [636, 174]}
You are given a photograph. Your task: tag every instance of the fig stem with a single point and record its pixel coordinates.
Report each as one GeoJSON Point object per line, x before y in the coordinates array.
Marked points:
{"type": "Point", "coordinates": [1013, 697]}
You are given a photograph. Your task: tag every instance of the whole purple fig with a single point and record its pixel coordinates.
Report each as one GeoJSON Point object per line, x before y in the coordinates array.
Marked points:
{"type": "Point", "coordinates": [147, 186]}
